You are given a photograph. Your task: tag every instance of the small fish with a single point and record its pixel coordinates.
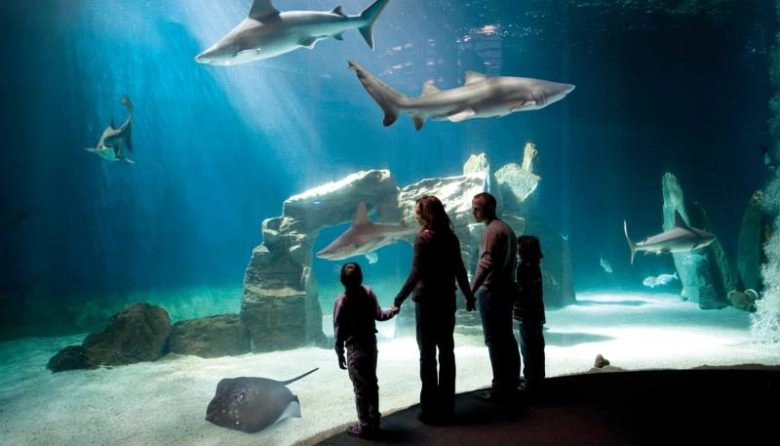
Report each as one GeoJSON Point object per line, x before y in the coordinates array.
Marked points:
{"type": "Point", "coordinates": [605, 265]}
{"type": "Point", "coordinates": [660, 280]}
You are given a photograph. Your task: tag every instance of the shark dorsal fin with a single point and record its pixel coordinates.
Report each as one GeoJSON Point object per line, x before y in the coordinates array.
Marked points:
{"type": "Point", "coordinates": [678, 220]}
{"type": "Point", "coordinates": [473, 76]}
{"type": "Point", "coordinates": [262, 9]}
{"type": "Point", "coordinates": [337, 10]}
{"type": "Point", "coordinates": [361, 214]}
{"type": "Point", "coordinates": [429, 88]}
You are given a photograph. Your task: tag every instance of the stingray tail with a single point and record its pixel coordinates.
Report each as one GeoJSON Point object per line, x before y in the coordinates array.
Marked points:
{"type": "Point", "coordinates": [301, 376]}
{"type": "Point", "coordinates": [631, 245]}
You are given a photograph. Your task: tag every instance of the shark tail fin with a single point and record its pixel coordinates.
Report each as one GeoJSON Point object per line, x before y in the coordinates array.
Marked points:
{"type": "Point", "coordinates": [369, 16]}
{"type": "Point", "coordinates": [388, 99]}
{"type": "Point", "coordinates": [631, 245]}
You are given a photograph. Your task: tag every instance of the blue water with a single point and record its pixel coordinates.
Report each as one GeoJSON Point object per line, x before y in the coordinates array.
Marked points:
{"type": "Point", "coordinates": [218, 149]}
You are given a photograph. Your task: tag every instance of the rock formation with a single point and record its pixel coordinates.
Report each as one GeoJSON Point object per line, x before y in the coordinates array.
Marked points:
{"type": "Point", "coordinates": [705, 274]}
{"type": "Point", "coordinates": [750, 245]}
{"type": "Point", "coordinates": [280, 306]}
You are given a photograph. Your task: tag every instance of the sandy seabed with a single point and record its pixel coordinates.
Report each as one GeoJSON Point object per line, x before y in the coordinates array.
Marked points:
{"type": "Point", "coordinates": [164, 402]}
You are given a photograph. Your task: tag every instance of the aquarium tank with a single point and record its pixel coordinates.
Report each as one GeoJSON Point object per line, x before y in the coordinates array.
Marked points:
{"type": "Point", "coordinates": [181, 182]}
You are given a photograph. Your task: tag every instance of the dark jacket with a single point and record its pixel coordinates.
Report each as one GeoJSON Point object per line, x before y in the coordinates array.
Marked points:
{"type": "Point", "coordinates": [354, 318]}
{"type": "Point", "coordinates": [529, 302]}
{"type": "Point", "coordinates": [437, 266]}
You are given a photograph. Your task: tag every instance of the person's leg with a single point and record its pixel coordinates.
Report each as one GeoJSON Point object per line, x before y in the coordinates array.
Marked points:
{"type": "Point", "coordinates": [522, 330]}
{"type": "Point", "coordinates": [487, 315]}
{"type": "Point", "coordinates": [362, 371]}
{"type": "Point", "coordinates": [426, 343]}
{"type": "Point", "coordinates": [510, 373]}
{"type": "Point", "coordinates": [446, 346]}
{"type": "Point", "coordinates": [496, 313]}
{"type": "Point", "coordinates": [535, 369]}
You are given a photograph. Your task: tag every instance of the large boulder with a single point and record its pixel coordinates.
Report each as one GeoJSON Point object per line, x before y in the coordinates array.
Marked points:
{"type": "Point", "coordinates": [210, 337]}
{"type": "Point", "coordinates": [135, 334]}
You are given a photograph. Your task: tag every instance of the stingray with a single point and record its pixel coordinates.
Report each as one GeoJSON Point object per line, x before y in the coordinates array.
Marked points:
{"type": "Point", "coordinates": [252, 404]}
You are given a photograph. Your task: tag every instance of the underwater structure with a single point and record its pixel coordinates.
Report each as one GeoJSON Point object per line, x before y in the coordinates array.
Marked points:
{"type": "Point", "coordinates": [280, 306]}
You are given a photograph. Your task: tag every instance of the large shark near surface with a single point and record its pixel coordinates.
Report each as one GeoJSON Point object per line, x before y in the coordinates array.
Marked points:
{"type": "Point", "coordinates": [267, 33]}
{"type": "Point", "coordinates": [116, 142]}
{"type": "Point", "coordinates": [252, 404]}
{"type": "Point", "coordinates": [680, 238]}
{"type": "Point", "coordinates": [363, 238]}
{"type": "Point", "coordinates": [480, 97]}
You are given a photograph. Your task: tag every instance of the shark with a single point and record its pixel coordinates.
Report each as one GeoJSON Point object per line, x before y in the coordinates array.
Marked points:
{"type": "Point", "coordinates": [481, 96]}
{"type": "Point", "coordinates": [115, 142]}
{"type": "Point", "coordinates": [680, 238]}
{"type": "Point", "coordinates": [267, 33]}
{"type": "Point", "coordinates": [364, 237]}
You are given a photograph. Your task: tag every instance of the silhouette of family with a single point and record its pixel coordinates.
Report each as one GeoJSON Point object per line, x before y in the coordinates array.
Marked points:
{"type": "Point", "coordinates": [501, 287]}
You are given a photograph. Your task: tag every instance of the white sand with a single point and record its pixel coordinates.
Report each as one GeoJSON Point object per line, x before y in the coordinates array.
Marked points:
{"type": "Point", "coordinates": [165, 402]}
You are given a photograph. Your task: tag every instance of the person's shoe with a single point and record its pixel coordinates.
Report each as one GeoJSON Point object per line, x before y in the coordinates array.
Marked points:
{"type": "Point", "coordinates": [431, 420]}
{"type": "Point", "coordinates": [492, 397]}
{"type": "Point", "coordinates": [359, 431]}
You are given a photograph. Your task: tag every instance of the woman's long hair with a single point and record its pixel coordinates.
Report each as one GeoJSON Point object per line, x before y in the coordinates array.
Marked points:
{"type": "Point", "coordinates": [430, 211]}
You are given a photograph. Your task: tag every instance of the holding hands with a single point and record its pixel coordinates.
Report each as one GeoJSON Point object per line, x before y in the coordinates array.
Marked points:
{"type": "Point", "coordinates": [471, 303]}
{"type": "Point", "coordinates": [342, 362]}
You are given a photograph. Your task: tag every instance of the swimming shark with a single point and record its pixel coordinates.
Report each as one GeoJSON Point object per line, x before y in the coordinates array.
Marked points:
{"type": "Point", "coordinates": [115, 142]}
{"type": "Point", "coordinates": [481, 96]}
{"type": "Point", "coordinates": [363, 238]}
{"type": "Point", "coordinates": [680, 238]}
{"type": "Point", "coordinates": [266, 32]}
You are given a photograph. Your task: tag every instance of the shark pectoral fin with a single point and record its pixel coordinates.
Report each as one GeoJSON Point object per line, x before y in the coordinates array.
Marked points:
{"type": "Point", "coordinates": [244, 52]}
{"type": "Point", "coordinates": [372, 257]}
{"type": "Point", "coordinates": [461, 115]}
{"type": "Point", "coordinates": [522, 105]}
{"type": "Point", "coordinates": [390, 117]}
{"type": "Point", "coordinates": [339, 36]}
{"type": "Point", "coordinates": [308, 42]}
{"type": "Point", "coordinates": [418, 121]}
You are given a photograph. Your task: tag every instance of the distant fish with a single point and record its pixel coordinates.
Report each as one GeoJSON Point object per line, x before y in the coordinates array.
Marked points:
{"type": "Point", "coordinates": [605, 265]}
{"type": "Point", "coordinates": [769, 159]}
{"type": "Point", "coordinates": [115, 142]}
{"type": "Point", "coordinates": [659, 280]}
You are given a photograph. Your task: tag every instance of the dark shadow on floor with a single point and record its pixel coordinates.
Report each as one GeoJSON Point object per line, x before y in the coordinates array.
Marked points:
{"type": "Point", "coordinates": [700, 406]}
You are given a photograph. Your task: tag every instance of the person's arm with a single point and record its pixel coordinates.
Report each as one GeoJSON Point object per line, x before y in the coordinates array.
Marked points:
{"type": "Point", "coordinates": [414, 274]}
{"type": "Point", "coordinates": [338, 333]}
{"type": "Point", "coordinates": [487, 258]}
{"type": "Point", "coordinates": [379, 314]}
{"type": "Point", "coordinates": [462, 277]}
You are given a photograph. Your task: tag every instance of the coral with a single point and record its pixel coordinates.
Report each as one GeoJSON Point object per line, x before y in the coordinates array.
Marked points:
{"type": "Point", "coordinates": [765, 322]}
